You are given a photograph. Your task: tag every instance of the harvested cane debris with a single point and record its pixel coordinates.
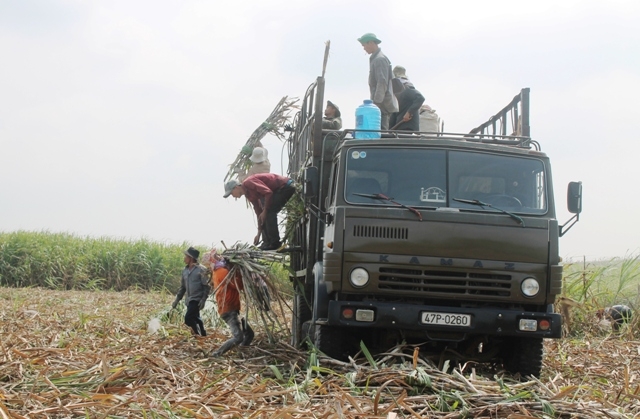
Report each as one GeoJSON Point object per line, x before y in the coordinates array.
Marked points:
{"type": "Point", "coordinates": [67, 354]}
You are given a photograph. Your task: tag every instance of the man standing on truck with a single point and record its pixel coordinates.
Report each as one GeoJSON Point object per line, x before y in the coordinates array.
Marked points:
{"type": "Point", "coordinates": [379, 79]}
{"type": "Point", "coordinates": [268, 193]}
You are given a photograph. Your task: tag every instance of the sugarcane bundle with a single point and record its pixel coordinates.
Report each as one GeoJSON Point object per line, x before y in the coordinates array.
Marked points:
{"type": "Point", "coordinates": [294, 211]}
{"type": "Point", "coordinates": [261, 295]}
{"type": "Point", "coordinates": [274, 124]}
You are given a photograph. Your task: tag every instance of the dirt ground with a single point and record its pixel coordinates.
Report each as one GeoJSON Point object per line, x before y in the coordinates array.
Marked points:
{"type": "Point", "coordinates": [71, 354]}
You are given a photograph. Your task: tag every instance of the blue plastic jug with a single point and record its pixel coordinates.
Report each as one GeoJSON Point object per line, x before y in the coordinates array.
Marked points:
{"type": "Point", "coordinates": [367, 117]}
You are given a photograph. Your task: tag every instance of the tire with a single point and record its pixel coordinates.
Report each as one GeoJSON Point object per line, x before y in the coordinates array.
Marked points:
{"type": "Point", "coordinates": [523, 355]}
{"type": "Point", "coordinates": [308, 334]}
{"type": "Point", "coordinates": [303, 292]}
{"type": "Point", "coordinates": [301, 313]}
{"type": "Point", "coordinates": [331, 342]}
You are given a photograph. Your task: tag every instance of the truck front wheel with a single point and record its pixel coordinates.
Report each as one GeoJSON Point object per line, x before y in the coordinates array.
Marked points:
{"type": "Point", "coordinates": [523, 355]}
{"type": "Point", "coordinates": [332, 342]}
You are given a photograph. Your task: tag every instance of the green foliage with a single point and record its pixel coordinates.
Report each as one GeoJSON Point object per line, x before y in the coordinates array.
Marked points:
{"type": "Point", "coordinates": [280, 276]}
{"type": "Point", "coordinates": [66, 261]}
{"type": "Point", "coordinates": [277, 373]}
{"type": "Point", "coordinates": [592, 286]}
{"type": "Point", "coordinates": [295, 211]}
{"type": "Point", "coordinates": [367, 355]}
{"type": "Point", "coordinates": [420, 380]}
{"type": "Point", "coordinates": [608, 282]}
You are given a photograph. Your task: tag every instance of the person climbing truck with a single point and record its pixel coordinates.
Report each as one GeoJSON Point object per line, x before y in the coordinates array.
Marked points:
{"type": "Point", "coordinates": [268, 194]}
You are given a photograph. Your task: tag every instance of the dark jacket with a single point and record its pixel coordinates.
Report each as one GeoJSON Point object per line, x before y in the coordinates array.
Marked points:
{"type": "Point", "coordinates": [332, 123]}
{"type": "Point", "coordinates": [380, 76]}
{"type": "Point", "coordinates": [194, 284]}
{"type": "Point", "coordinates": [409, 100]}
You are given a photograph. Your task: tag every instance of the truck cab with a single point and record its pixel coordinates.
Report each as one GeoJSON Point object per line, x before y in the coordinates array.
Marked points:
{"type": "Point", "coordinates": [440, 239]}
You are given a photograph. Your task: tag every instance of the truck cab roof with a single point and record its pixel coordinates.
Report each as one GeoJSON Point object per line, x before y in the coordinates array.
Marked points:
{"type": "Point", "coordinates": [512, 145]}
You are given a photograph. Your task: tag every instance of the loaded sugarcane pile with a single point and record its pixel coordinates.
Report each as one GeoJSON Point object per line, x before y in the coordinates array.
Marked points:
{"type": "Point", "coordinates": [274, 124]}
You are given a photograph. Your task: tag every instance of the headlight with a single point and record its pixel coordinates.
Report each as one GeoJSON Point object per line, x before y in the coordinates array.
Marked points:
{"type": "Point", "coordinates": [530, 287]}
{"type": "Point", "coordinates": [359, 277]}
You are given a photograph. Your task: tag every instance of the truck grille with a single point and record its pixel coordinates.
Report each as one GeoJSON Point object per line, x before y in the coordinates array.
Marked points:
{"type": "Point", "coordinates": [380, 232]}
{"type": "Point", "coordinates": [431, 282]}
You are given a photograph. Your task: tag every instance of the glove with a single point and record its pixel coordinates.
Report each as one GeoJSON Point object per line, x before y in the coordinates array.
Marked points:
{"type": "Point", "coordinates": [175, 303]}
{"type": "Point", "coordinates": [202, 303]}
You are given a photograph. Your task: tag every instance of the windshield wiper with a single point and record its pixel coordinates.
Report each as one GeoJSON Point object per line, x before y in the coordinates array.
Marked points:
{"type": "Point", "coordinates": [382, 197]}
{"type": "Point", "coordinates": [484, 204]}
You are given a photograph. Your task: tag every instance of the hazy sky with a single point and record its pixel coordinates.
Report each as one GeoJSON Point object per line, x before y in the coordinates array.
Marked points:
{"type": "Point", "coordinates": [120, 118]}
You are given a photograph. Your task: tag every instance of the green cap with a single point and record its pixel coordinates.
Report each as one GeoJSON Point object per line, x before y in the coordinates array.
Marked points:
{"type": "Point", "coordinates": [369, 37]}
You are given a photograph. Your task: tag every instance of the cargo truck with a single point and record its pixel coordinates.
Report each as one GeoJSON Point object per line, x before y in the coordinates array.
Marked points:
{"type": "Point", "coordinates": [448, 240]}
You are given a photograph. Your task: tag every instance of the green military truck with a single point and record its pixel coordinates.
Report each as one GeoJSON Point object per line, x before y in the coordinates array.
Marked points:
{"type": "Point", "coordinates": [448, 240]}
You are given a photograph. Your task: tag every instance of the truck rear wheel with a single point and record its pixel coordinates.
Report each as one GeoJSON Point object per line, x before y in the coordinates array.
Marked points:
{"type": "Point", "coordinates": [523, 355]}
{"type": "Point", "coordinates": [301, 313]}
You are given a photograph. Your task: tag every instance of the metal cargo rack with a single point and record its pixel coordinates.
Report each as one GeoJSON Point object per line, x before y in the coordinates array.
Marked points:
{"type": "Point", "coordinates": [508, 140]}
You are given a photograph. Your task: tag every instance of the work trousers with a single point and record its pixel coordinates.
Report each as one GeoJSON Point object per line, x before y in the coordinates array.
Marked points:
{"type": "Point", "coordinates": [278, 201]}
{"type": "Point", "coordinates": [384, 120]}
{"type": "Point", "coordinates": [193, 320]}
{"type": "Point", "coordinates": [233, 321]}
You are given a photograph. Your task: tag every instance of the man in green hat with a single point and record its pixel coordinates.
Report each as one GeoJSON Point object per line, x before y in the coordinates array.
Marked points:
{"type": "Point", "coordinates": [380, 76]}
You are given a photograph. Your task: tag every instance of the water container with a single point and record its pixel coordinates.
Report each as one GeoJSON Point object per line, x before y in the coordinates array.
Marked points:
{"type": "Point", "coordinates": [367, 117]}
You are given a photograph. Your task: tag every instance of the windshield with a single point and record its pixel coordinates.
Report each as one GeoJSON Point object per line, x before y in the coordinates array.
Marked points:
{"type": "Point", "coordinates": [433, 178]}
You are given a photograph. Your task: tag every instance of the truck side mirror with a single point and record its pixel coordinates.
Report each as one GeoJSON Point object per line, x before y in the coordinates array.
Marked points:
{"type": "Point", "coordinates": [574, 205]}
{"type": "Point", "coordinates": [574, 197]}
{"type": "Point", "coordinates": [311, 181]}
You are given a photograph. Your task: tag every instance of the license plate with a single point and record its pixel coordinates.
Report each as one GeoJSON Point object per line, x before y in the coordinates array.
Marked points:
{"type": "Point", "coordinates": [446, 319]}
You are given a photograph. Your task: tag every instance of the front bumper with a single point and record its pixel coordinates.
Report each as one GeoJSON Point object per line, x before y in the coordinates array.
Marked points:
{"type": "Point", "coordinates": [488, 321]}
